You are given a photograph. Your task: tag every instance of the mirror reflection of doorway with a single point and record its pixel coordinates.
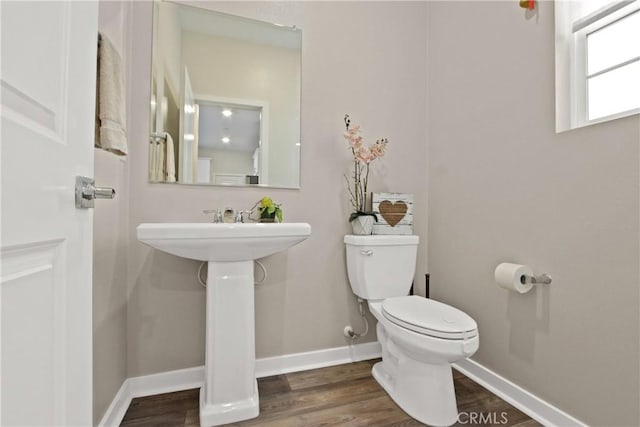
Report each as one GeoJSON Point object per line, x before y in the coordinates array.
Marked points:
{"type": "Point", "coordinates": [230, 147]}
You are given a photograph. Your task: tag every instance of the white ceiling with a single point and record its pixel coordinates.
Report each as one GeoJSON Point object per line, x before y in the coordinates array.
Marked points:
{"type": "Point", "coordinates": [204, 21]}
{"type": "Point", "coordinates": [242, 128]}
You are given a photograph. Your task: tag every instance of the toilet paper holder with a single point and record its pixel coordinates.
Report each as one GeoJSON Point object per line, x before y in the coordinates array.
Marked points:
{"type": "Point", "coordinates": [541, 279]}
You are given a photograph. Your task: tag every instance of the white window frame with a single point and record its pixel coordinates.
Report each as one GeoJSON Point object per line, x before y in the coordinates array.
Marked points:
{"type": "Point", "coordinates": [571, 61]}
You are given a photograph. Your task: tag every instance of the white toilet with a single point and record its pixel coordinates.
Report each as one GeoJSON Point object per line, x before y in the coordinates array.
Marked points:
{"type": "Point", "coordinates": [420, 337]}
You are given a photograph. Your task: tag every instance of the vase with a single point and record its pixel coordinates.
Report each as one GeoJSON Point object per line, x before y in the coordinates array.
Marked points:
{"type": "Point", "coordinates": [362, 225]}
{"type": "Point", "coordinates": [265, 217]}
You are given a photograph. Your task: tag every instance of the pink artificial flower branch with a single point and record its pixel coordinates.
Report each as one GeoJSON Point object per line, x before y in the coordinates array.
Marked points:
{"type": "Point", "coordinates": [362, 158]}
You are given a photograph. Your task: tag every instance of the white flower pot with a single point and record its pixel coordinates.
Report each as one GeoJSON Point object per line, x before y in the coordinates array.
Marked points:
{"type": "Point", "coordinates": [362, 225]}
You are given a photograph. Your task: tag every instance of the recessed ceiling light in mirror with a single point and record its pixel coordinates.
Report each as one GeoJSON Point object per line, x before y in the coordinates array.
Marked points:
{"type": "Point", "coordinates": [225, 140]}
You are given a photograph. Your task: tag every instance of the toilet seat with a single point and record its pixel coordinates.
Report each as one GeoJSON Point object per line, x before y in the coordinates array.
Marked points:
{"type": "Point", "coordinates": [428, 317]}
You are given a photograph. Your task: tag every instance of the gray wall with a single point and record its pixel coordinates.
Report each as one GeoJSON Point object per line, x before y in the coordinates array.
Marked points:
{"type": "Point", "coordinates": [504, 187]}
{"type": "Point", "coordinates": [110, 241]}
{"type": "Point", "coordinates": [366, 59]}
{"type": "Point", "coordinates": [110, 246]}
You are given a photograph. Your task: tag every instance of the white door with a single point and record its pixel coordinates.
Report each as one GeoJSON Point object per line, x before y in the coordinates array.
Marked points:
{"type": "Point", "coordinates": [48, 89]}
{"type": "Point", "coordinates": [188, 133]}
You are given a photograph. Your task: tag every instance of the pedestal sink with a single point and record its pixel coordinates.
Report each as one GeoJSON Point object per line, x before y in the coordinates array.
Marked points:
{"type": "Point", "coordinates": [230, 391]}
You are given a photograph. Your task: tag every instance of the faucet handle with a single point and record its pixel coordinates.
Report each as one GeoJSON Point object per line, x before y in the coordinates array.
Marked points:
{"type": "Point", "coordinates": [217, 214]}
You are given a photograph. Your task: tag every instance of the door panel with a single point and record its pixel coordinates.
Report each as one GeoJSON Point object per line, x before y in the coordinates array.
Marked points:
{"type": "Point", "coordinates": [48, 103]}
{"type": "Point", "coordinates": [33, 298]}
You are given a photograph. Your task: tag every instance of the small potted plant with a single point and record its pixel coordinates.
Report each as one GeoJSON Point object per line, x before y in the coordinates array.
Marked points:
{"type": "Point", "coordinates": [361, 218]}
{"type": "Point", "coordinates": [269, 210]}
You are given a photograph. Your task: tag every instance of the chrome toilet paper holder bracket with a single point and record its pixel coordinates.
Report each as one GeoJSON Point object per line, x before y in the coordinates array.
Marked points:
{"type": "Point", "coordinates": [541, 279]}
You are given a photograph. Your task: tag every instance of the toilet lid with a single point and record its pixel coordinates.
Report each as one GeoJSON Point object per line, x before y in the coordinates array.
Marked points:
{"type": "Point", "coordinates": [429, 317]}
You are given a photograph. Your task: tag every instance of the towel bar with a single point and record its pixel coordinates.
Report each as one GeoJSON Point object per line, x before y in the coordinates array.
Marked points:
{"type": "Point", "coordinates": [156, 137]}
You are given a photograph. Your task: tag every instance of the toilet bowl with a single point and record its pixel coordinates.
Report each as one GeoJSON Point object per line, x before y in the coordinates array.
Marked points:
{"type": "Point", "coordinates": [420, 337]}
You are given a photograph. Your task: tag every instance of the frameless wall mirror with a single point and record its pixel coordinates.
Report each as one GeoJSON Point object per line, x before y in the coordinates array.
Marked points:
{"type": "Point", "coordinates": [225, 99]}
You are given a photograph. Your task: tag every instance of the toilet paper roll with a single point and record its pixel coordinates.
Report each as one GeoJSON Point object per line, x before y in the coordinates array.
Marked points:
{"type": "Point", "coordinates": [512, 277]}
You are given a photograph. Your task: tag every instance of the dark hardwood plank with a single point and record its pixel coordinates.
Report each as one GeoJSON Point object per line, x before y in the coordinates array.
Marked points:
{"type": "Point", "coordinates": [314, 399]}
{"type": "Point", "coordinates": [528, 423]}
{"type": "Point", "coordinates": [273, 385]}
{"type": "Point", "coordinates": [344, 395]}
{"type": "Point", "coordinates": [167, 409]}
{"type": "Point", "coordinates": [375, 412]}
{"type": "Point", "coordinates": [192, 418]}
{"type": "Point", "coordinates": [339, 373]}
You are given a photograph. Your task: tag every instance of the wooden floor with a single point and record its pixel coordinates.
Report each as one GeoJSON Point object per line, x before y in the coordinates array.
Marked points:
{"type": "Point", "coordinates": [344, 395]}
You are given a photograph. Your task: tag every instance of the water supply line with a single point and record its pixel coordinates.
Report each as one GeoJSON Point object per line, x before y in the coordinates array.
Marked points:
{"type": "Point", "coordinates": [348, 330]}
{"type": "Point", "coordinates": [264, 273]}
{"type": "Point", "coordinates": [203, 282]}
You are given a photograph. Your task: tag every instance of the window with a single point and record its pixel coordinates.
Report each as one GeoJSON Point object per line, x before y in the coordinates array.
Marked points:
{"type": "Point", "coordinates": [597, 61]}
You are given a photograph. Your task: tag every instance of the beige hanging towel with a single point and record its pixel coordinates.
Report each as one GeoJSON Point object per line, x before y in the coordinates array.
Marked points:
{"type": "Point", "coordinates": [111, 125]}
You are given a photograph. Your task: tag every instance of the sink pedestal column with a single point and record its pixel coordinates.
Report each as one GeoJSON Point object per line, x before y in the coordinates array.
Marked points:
{"type": "Point", "coordinates": [230, 391]}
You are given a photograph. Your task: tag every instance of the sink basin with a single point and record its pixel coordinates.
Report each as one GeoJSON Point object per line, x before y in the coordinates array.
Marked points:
{"type": "Point", "coordinates": [230, 390]}
{"type": "Point", "coordinates": [223, 242]}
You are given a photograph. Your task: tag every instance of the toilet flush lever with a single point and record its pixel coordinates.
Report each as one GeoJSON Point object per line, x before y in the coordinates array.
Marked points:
{"type": "Point", "coordinates": [367, 252]}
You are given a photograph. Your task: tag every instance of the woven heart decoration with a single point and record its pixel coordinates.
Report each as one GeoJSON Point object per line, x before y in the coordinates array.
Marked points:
{"type": "Point", "coordinates": [393, 212]}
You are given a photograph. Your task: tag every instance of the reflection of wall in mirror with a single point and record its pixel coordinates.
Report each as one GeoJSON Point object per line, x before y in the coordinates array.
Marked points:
{"type": "Point", "coordinates": [166, 74]}
{"type": "Point", "coordinates": [233, 162]}
{"type": "Point", "coordinates": [243, 70]}
{"type": "Point", "coordinates": [167, 55]}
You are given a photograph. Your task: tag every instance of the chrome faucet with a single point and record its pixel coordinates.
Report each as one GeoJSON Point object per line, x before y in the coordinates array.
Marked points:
{"type": "Point", "coordinates": [239, 216]}
{"type": "Point", "coordinates": [217, 214]}
{"type": "Point", "coordinates": [229, 215]}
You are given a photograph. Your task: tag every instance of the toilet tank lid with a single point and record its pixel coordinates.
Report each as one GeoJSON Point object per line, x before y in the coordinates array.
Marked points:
{"type": "Point", "coordinates": [381, 240]}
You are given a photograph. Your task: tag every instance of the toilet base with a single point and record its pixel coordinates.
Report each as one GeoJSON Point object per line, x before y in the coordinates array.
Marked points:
{"type": "Point", "coordinates": [423, 391]}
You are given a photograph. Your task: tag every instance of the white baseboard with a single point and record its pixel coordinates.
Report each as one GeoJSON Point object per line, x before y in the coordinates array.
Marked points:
{"type": "Point", "coordinates": [538, 409]}
{"type": "Point", "coordinates": [166, 382]}
{"type": "Point", "coordinates": [115, 412]}
{"type": "Point", "coordinates": [296, 362]}
{"type": "Point", "coordinates": [185, 379]}
{"type": "Point", "coordinates": [148, 385]}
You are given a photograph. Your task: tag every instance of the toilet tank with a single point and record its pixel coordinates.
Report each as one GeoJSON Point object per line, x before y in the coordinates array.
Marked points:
{"type": "Point", "coordinates": [381, 266]}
